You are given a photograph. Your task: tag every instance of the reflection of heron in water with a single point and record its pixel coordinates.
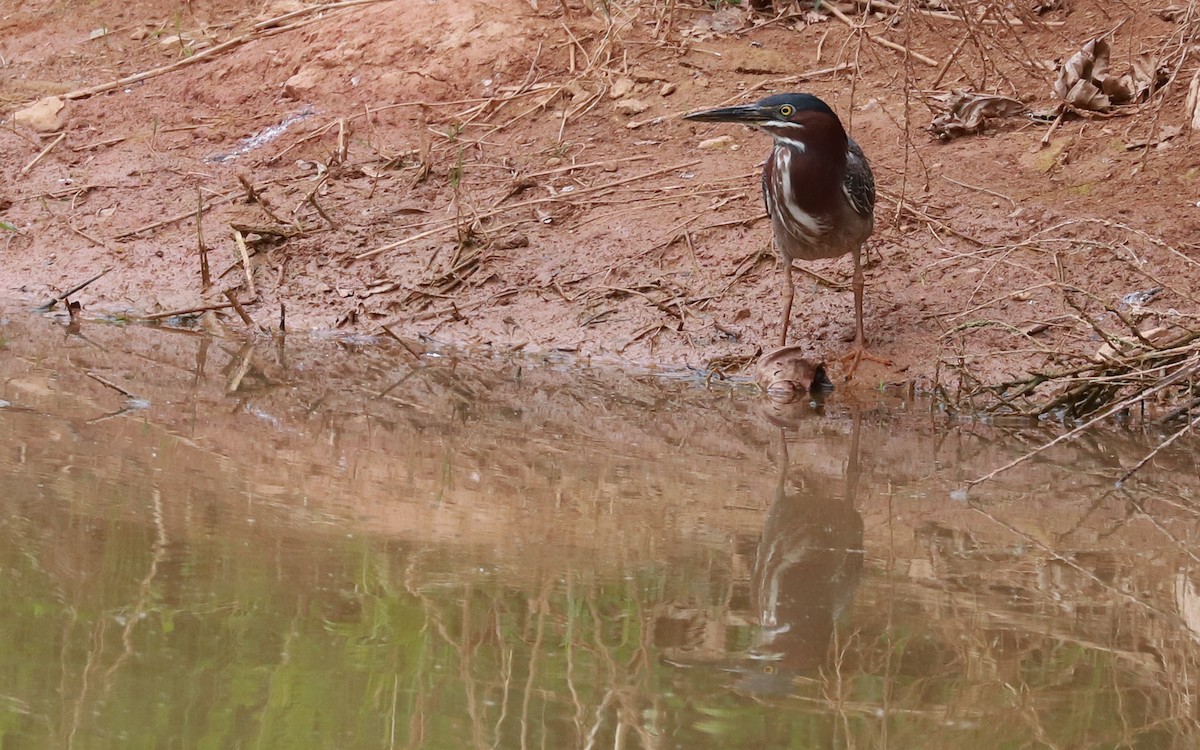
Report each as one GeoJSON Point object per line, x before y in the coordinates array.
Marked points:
{"type": "Point", "coordinates": [806, 569]}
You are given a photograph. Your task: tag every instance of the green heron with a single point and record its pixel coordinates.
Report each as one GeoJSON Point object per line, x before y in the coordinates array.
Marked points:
{"type": "Point", "coordinates": [818, 187]}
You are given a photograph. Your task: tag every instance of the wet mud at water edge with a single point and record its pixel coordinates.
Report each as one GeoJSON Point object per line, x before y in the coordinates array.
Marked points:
{"type": "Point", "coordinates": [329, 543]}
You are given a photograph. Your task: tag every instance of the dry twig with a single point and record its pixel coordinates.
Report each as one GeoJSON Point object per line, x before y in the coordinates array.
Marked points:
{"type": "Point", "coordinates": [33, 162]}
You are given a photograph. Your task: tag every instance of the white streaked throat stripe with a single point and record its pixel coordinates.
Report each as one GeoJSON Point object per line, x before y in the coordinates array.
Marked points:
{"type": "Point", "coordinates": [801, 222]}
{"type": "Point", "coordinates": [777, 130]}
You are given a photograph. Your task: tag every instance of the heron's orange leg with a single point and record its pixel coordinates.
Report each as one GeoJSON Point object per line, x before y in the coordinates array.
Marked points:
{"type": "Point", "coordinates": [789, 291]}
{"type": "Point", "coordinates": [858, 352]}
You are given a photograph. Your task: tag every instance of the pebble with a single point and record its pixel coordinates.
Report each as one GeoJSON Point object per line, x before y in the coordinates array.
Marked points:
{"type": "Point", "coordinates": [621, 87]}
{"type": "Point", "coordinates": [718, 142]}
{"type": "Point", "coordinates": [632, 106]}
{"type": "Point", "coordinates": [44, 116]}
{"type": "Point", "coordinates": [645, 75]}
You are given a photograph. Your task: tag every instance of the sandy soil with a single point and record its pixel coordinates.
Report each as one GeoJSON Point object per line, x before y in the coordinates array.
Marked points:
{"type": "Point", "coordinates": [516, 176]}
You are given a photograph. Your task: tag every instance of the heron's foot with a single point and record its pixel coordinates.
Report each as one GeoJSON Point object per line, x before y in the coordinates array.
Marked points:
{"type": "Point", "coordinates": [858, 352]}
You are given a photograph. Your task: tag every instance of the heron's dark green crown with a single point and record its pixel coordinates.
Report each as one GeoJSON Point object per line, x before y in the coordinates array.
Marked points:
{"type": "Point", "coordinates": [799, 103]}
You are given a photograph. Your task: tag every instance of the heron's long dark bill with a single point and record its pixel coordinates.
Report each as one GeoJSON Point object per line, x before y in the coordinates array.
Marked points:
{"type": "Point", "coordinates": [747, 113]}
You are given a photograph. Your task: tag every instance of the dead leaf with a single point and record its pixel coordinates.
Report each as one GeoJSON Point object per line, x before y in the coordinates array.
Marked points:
{"type": "Point", "coordinates": [45, 115]}
{"type": "Point", "coordinates": [1147, 75]}
{"type": "Point", "coordinates": [1086, 83]}
{"type": "Point", "coordinates": [1172, 13]}
{"type": "Point", "coordinates": [1165, 133]}
{"type": "Point", "coordinates": [1128, 345]}
{"type": "Point", "coordinates": [1075, 81]}
{"type": "Point", "coordinates": [721, 23]}
{"type": "Point", "coordinates": [1191, 110]}
{"type": "Point", "coordinates": [967, 113]}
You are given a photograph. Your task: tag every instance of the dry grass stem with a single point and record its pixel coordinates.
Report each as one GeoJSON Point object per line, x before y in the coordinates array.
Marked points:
{"type": "Point", "coordinates": [231, 295]}
{"type": "Point", "coordinates": [244, 254]}
{"type": "Point", "coordinates": [262, 30]}
{"type": "Point", "coordinates": [109, 384]}
{"type": "Point", "coordinates": [205, 273]}
{"type": "Point", "coordinates": [41, 154]}
{"type": "Point", "coordinates": [177, 217]}
{"type": "Point", "coordinates": [77, 288]}
{"type": "Point", "coordinates": [186, 311]}
{"type": "Point", "coordinates": [1186, 370]}
{"type": "Point", "coordinates": [562, 198]}
{"type": "Point", "coordinates": [881, 41]}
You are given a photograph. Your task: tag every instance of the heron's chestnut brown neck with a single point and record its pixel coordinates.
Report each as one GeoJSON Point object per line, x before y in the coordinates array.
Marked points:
{"type": "Point", "coordinates": [816, 145]}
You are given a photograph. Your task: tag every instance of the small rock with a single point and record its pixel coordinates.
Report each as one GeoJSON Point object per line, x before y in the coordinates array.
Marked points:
{"type": "Point", "coordinates": [667, 89]}
{"type": "Point", "coordinates": [620, 88]}
{"type": "Point", "coordinates": [301, 84]}
{"type": "Point", "coordinates": [577, 91]}
{"type": "Point", "coordinates": [645, 75]}
{"type": "Point", "coordinates": [718, 142]}
{"type": "Point", "coordinates": [139, 34]}
{"type": "Point", "coordinates": [44, 116]}
{"type": "Point", "coordinates": [632, 106]}
{"type": "Point", "coordinates": [280, 7]}
{"type": "Point", "coordinates": [512, 241]}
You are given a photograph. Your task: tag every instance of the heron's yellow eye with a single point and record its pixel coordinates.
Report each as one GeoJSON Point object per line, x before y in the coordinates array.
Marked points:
{"type": "Point", "coordinates": [767, 668]}
{"type": "Point", "coordinates": [787, 110]}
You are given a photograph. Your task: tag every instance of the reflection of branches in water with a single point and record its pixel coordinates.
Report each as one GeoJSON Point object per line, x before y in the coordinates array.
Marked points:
{"type": "Point", "coordinates": [1056, 555]}
{"type": "Point", "coordinates": [131, 619]}
{"type": "Point", "coordinates": [1146, 643]}
{"type": "Point", "coordinates": [1183, 545]}
{"type": "Point", "coordinates": [543, 605]}
{"type": "Point", "coordinates": [549, 628]}
{"type": "Point", "coordinates": [628, 684]}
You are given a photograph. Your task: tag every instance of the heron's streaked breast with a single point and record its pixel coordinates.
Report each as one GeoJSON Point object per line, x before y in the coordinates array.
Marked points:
{"type": "Point", "coordinates": [799, 222]}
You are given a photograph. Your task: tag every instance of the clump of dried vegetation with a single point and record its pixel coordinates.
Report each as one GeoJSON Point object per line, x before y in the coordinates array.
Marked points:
{"type": "Point", "coordinates": [1142, 360]}
{"type": "Point", "coordinates": [1129, 353]}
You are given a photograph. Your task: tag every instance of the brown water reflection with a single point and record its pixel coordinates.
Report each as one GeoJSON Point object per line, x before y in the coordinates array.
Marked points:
{"type": "Point", "coordinates": [337, 544]}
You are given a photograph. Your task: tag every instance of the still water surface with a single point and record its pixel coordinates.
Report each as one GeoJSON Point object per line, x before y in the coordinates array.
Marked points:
{"type": "Point", "coordinates": [331, 545]}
